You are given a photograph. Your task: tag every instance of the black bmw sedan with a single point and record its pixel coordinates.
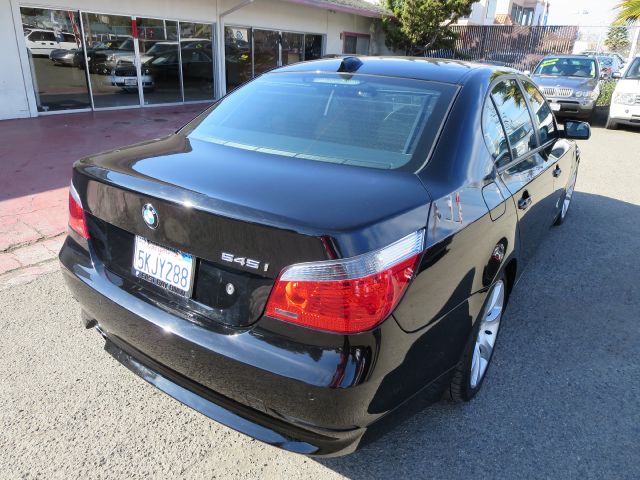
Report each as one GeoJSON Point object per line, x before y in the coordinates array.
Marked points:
{"type": "Point", "coordinates": [323, 243]}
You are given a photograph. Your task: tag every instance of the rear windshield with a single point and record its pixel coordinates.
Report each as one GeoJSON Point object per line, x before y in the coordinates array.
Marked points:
{"type": "Point", "coordinates": [364, 120]}
{"type": "Point", "coordinates": [567, 67]}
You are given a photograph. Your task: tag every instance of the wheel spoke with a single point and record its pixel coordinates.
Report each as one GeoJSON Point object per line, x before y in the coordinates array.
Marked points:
{"type": "Point", "coordinates": [487, 334]}
{"type": "Point", "coordinates": [474, 376]}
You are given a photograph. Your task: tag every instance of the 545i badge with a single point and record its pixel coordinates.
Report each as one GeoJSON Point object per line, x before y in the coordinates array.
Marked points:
{"type": "Point", "coordinates": [245, 262]}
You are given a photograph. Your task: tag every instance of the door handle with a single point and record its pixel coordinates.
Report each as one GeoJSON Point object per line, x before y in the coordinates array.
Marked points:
{"type": "Point", "coordinates": [524, 202]}
{"type": "Point", "coordinates": [557, 171]}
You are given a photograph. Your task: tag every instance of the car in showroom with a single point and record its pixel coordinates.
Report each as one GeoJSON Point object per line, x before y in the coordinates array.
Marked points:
{"type": "Point", "coordinates": [571, 83]}
{"type": "Point", "coordinates": [322, 244]}
{"type": "Point", "coordinates": [625, 101]}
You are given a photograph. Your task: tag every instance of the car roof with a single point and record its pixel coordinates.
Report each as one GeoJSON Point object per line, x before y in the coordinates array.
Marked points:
{"type": "Point", "coordinates": [421, 68]}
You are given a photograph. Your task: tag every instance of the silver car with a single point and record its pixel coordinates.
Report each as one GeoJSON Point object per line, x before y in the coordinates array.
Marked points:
{"type": "Point", "coordinates": [571, 83]}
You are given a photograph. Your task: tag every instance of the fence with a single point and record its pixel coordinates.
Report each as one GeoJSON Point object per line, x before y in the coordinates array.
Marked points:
{"type": "Point", "coordinates": [522, 47]}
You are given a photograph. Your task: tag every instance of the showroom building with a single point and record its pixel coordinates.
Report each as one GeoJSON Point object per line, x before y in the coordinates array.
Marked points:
{"type": "Point", "coordinates": [73, 55]}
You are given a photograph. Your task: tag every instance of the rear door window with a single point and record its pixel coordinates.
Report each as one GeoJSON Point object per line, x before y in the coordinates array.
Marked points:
{"type": "Point", "coordinates": [511, 105]}
{"type": "Point", "coordinates": [363, 120]}
{"type": "Point", "coordinates": [494, 135]}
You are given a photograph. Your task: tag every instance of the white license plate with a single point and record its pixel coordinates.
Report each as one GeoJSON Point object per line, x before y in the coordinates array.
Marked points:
{"type": "Point", "coordinates": [131, 81]}
{"type": "Point", "coordinates": [161, 266]}
{"type": "Point", "coordinates": [556, 107]}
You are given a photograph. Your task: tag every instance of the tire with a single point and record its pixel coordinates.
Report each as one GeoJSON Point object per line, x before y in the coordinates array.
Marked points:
{"type": "Point", "coordinates": [611, 124]}
{"type": "Point", "coordinates": [471, 371]}
{"type": "Point", "coordinates": [566, 200]}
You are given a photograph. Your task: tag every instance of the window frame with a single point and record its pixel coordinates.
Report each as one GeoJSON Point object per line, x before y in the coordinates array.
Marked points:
{"type": "Point", "coordinates": [490, 100]}
{"type": "Point", "coordinates": [539, 148]}
{"type": "Point", "coordinates": [535, 117]}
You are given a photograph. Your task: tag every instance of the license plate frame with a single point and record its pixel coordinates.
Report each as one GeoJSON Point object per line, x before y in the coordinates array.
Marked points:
{"type": "Point", "coordinates": [168, 254]}
{"type": "Point", "coordinates": [555, 106]}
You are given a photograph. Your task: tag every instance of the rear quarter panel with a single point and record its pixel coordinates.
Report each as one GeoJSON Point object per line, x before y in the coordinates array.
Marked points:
{"type": "Point", "coordinates": [465, 225]}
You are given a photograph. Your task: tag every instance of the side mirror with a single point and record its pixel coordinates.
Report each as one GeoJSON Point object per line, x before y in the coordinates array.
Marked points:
{"type": "Point", "coordinates": [616, 75]}
{"type": "Point", "coordinates": [576, 130]}
{"type": "Point", "coordinates": [527, 73]}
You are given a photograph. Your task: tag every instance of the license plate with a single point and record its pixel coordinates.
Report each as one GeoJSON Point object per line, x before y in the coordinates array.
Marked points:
{"type": "Point", "coordinates": [556, 107]}
{"type": "Point", "coordinates": [131, 81]}
{"type": "Point", "coordinates": [161, 266]}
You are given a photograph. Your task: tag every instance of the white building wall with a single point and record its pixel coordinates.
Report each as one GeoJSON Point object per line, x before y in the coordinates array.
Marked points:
{"type": "Point", "coordinates": [13, 95]}
{"type": "Point", "coordinates": [483, 12]}
{"type": "Point", "coordinates": [16, 91]}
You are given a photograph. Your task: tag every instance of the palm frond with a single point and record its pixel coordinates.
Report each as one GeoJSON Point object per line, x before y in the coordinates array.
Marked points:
{"type": "Point", "coordinates": [629, 11]}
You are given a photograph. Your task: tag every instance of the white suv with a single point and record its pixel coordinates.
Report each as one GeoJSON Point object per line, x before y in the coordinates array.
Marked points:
{"type": "Point", "coordinates": [625, 101]}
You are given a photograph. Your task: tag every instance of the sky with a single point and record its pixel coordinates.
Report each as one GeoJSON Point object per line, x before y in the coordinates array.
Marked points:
{"type": "Point", "coordinates": [582, 12]}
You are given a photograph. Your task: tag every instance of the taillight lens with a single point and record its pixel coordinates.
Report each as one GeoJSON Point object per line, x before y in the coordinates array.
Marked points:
{"type": "Point", "coordinates": [348, 295]}
{"type": "Point", "coordinates": [77, 220]}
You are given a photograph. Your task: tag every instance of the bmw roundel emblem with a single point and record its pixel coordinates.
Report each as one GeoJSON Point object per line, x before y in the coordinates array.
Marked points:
{"type": "Point", "coordinates": [150, 216]}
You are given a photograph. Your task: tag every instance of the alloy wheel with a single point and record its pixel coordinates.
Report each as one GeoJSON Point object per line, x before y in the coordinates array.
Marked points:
{"type": "Point", "coordinates": [487, 333]}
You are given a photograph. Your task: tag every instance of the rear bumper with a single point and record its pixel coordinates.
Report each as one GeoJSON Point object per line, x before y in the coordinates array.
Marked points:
{"type": "Point", "coordinates": [315, 397]}
{"type": "Point", "coordinates": [227, 412]}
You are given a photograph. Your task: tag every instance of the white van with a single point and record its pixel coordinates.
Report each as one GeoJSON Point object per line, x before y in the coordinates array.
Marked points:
{"type": "Point", "coordinates": [41, 42]}
{"type": "Point", "coordinates": [625, 101]}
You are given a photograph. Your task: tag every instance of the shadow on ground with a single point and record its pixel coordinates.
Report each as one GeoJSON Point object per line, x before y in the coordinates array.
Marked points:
{"type": "Point", "coordinates": [561, 398]}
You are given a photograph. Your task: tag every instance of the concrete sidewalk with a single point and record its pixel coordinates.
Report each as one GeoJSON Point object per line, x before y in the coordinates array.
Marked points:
{"type": "Point", "coordinates": [36, 156]}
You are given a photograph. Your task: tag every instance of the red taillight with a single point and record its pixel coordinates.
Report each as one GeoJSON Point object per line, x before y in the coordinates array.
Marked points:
{"type": "Point", "coordinates": [346, 296]}
{"type": "Point", "coordinates": [77, 220]}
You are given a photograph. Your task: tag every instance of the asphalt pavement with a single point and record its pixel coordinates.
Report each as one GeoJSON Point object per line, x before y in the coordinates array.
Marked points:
{"type": "Point", "coordinates": [561, 400]}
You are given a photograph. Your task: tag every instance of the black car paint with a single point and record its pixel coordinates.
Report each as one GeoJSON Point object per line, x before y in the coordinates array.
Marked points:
{"type": "Point", "coordinates": [309, 391]}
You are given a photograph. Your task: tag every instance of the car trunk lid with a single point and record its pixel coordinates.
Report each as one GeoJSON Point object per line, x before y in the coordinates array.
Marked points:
{"type": "Point", "coordinates": [226, 206]}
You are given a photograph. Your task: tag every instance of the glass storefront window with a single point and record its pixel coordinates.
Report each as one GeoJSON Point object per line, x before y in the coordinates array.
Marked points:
{"type": "Point", "coordinates": [54, 48]}
{"type": "Point", "coordinates": [250, 52]}
{"type": "Point", "coordinates": [356, 44]}
{"type": "Point", "coordinates": [238, 56]}
{"type": "Point", "coordinates": [292, 48]}
{"type": "Point", "coordinates": [110, 55]}
{"type": "Point", "coordinates": [312, 47]}
{"type": "Point", "coordinates": [265, 50]}
{"type": "Point", "coordinates": [121, 61]}
{"type": "Point", "coordinates": [197, 61]}
{"type": "Point", "coordinates": [159, 61]}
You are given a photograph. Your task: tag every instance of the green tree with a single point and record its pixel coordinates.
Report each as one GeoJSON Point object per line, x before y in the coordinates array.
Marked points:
{"type": "Point", "coordinates": [617, 39]}
{"type": "Point", "coordinates": [419, 25]}
{"type": "Point", "coordinates": [629, 11]}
